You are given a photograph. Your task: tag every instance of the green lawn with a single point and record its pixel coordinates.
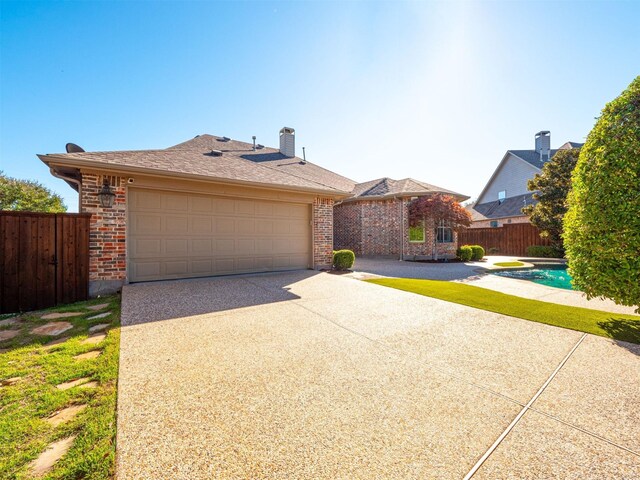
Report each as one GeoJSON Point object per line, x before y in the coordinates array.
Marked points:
{"type": "Point", "coordinates": [612, 325]}
{"type": "Point", "coordinates": [25, 405]}
{"type": "Point", "coordinates": [509, 264]}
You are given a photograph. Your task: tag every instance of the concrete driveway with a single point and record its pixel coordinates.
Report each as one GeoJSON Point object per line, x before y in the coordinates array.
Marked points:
{"type": "Point", "coordinates": [313, 375]}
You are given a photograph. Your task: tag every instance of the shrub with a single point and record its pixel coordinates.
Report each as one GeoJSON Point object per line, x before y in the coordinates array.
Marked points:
{"type": "Point", "coordinates": [464, 253]}
{"type": "Point", "coordinates": [543, 251]}
{"type": "Point", "coordinates": [478, 253]}
{"type": "Point", "coordinates": [343, 259]}
{"type": "Point", "coordinates": [602, 224]}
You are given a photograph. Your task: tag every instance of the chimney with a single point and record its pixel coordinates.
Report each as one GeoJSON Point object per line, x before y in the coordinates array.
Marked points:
{"type": "Point", "coordinates": [288, 142]}
{"type": "Point", "coordinates": [543, 144]}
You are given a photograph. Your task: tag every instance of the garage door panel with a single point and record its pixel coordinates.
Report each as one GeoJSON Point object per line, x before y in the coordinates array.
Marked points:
{"type": "Point", "coordinates": [178, 235]}
{"type": "Point", "coordinates": [175, 224]}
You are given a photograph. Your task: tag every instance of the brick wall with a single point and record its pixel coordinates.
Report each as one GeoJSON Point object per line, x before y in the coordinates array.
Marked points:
{"type": "Point", "coordinates": [381, 228]}
{"type": "Point", "coordinates": [107, 235]}
{"type": "Point", "coordinates": [322, 232]}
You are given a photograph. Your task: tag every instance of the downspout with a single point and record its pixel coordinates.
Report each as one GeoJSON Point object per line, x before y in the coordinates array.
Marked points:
{"type": "Point", "coordinates": [402, 230]}
{"type": "Point", "coordinates": [72, 180]}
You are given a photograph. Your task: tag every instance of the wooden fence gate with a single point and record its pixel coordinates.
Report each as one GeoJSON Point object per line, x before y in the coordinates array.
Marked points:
{"type": "Point", "coordinates": [44, 259]}
{"type": "Point", "coordinates": [510, 239]}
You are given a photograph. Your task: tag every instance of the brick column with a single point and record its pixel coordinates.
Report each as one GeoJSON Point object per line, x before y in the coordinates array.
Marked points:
{"type": "Point", "coordinates": [107, 235]}
{"type": "Point", "coordinates": [322, 232]}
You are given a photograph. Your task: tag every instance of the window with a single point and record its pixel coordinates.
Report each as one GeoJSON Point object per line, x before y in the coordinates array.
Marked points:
{"type": "Point", "coordinates": [444, 233]}
{"type": "Point", "coordinates": [494, 224]}
{"type": "Point", "coordinates": [502, 194]}
{"type": "Point", "coordinates": [416, 234]}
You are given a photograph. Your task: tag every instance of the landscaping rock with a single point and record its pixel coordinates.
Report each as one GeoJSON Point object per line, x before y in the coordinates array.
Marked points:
{"type": "Point", "coordinates": [72, 383]}
{"type": "Point", "coordinates": [101, 315]}
{"type": "Point", "coordinates": [56, 315]}
{"type": "Point", "coordinates": [98, 307]}
{"type": "Point", "coordinates": [94, 339]}
{"type": "Point", "coordinates": [98, 328]}
{"type": "Point", "coordinates": [88, 355]}
{"type": "Point", "coordinates": [8, 334]}
{"type": "Point", "coordinates": [9, 381]}
{"type": "Point", "coordinates": [9, 321]}
{"type": "Point", "coordinates": [65, 415]}
{"type": "Point", "coordinates": [47, 459]}
{"type": "Point", "coordinates": [89, 385]}
{"type": "Point", "coordinates": [52, 329]}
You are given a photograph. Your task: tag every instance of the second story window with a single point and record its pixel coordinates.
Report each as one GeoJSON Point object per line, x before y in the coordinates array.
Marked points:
{"type": "Point", "coordinates": [502, 194]}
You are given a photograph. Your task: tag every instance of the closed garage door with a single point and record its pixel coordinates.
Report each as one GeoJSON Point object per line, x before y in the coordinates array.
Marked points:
{"type": "Point", "coordinates": [180, 235]}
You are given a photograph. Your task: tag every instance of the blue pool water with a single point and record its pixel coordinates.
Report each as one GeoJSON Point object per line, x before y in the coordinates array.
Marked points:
{"type": "Point", "coordinates": [550, 275]}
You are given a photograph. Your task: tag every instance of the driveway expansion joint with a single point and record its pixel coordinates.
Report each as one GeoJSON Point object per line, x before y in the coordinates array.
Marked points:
{"type": "Point", "coordinates": [524, 410]}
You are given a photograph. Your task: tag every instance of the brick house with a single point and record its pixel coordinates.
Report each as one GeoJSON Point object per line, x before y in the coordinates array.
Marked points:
{"type": "Point", "coordinates": [374, 221]}
{"type": "Point", "coordinates": [208, 206]}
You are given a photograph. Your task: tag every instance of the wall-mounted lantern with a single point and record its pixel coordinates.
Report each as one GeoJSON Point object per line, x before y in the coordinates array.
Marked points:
{"type": "Point", "coordinates": [106, 195]}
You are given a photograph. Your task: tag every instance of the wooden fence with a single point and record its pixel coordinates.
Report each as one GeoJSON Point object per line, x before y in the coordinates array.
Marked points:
{"type": "Point", "coordinates": [510, 239]}
{"type": "Point", "coordinates": [44, 259]}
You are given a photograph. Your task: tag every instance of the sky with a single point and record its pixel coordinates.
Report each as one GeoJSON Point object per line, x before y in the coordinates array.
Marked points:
{"type": "Point", "coordinates": [437, 91]}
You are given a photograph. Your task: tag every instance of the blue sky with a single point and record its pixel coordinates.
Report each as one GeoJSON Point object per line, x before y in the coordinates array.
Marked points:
{"type": "Point", "coordinates": [433, 90]}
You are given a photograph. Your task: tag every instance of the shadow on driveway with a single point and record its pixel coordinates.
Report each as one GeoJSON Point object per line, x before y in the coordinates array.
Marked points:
{"type": "Point", "coordinates": [163, 300]}
{"type": "Point", "coordinates": [422, 270]}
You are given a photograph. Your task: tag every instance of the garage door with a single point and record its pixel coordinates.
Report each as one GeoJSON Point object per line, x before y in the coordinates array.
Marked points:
{"type": "Point", "coordinates": [180, 235]}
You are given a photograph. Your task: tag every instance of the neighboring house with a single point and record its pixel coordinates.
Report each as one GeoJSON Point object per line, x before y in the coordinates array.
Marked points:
{"type": "Point", "coordinates": [375, 221]}
{"type": "Point", "coordinates": [502, 199]}
{"type": "Point", "coordinates": [208, 206]}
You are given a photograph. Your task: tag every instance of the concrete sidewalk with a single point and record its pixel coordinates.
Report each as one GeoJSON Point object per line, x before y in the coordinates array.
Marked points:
{"type": "Point", "coordinates": [307, 375]}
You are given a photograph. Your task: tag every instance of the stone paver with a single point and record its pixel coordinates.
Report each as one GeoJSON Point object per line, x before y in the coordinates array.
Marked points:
{"type": "Point", "coordinates": [8, 334]}
{"type": "Point", "coordinates": [10, 381]}
{"type": "Point", "coordinates": [56, 315]}
{"type": "Point", "coordinates": [94, 339]}
{"type": "Point", "coordinates": [47, 459]}
{"type": "Point", "coordinates": [9, 321]}
{"type": "Point", "coordinates": [52, 329]}
{"type": "Point", "coordinates": [100, 315]}
{"type": "Point", "coordinates": [307, 375]}
{"type": "Point", "coordinates": [99, 327]}
{"type": "Point", "coordinates": [98, 307]}
{"type": "Point", "coordinates": [72, 383]}
{"type": "Point", "coordinates": [65, 415]}
{"type": "Point", "coordinates": [88, 355]}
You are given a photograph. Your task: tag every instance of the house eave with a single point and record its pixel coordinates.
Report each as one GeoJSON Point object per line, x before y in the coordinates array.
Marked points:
{"type": "Point", "coordinates": [54, 161]}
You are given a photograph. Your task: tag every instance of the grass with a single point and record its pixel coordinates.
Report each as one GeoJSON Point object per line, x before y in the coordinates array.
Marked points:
{"type": "Point", "coordinates": [25, 405]}
{"type": "Point", "coordinates": [604, 324]}
{"type": "Point", "coordinates": [509, 264]}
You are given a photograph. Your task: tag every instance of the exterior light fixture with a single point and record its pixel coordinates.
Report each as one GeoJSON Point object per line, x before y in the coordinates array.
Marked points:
{"type": "Point", "coordinates": [106, 195]}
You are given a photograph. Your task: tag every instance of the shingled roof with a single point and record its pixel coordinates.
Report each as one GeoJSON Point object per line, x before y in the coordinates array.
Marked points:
{"type": "Point", "coordinates": [211, 157]}
{"type": "Point", "coordinates": [388, 187]}
{"type": "Point", "coordinates": [509, 207]}
{"type": "Point", "coordinates": [532, 157]}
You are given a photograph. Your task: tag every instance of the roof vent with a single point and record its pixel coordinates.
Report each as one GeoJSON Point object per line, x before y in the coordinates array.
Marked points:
{"type": "Point", "coordinates": [73, 148]}
{"type": "Point", "coordinates": [216, 153]}
{"type": "Point", "coordinates": [259, 146]}
{"type": "Point", "coordinates": [225, 139]}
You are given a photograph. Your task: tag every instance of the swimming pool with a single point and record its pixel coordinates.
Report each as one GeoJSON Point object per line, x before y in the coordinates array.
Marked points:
{"type": "Point", "coordinates": [550, 275]}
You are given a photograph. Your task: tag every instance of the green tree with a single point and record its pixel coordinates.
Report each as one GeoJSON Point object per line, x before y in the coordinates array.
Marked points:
{"type": "Point", "coordinates": [602, 225]}
{"type": "Point", "coordinates": [552, 186]}
{"type": "Point", "coordinates": [28, 196]}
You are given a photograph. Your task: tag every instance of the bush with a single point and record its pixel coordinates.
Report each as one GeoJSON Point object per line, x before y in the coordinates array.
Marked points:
{"type": "Point", "coordinates": [601, 226]}
{"type": "Point", "coordinates": [543, 251]}
{"type": "Point", "coordinates": [343, 259]}
{"type": "Point", "coordinates": [464, 253]}
{"type": "Point", "coordinates": [478, 253]}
